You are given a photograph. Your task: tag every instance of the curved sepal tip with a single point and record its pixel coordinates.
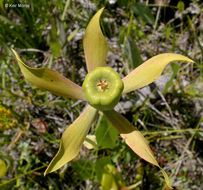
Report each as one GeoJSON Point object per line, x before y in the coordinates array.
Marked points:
{"type": "Point", "coordinates": [50, 80]}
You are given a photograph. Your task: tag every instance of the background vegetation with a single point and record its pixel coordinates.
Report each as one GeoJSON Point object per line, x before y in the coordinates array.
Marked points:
{"type": "Point", "coordinates": [168, 112]}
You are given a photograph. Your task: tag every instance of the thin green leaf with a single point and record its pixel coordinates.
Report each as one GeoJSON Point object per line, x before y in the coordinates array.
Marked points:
{"type": "Point", "coordinates": [95, 44]}
{"type": "Point", "coordinates": [54, 40]}
{"type": "Point", "coordinates": [134, 139]}
{"type": "Point", "coordinates": [132, 53]}
{"type": "Point", "coordinates": [150, 70]}
{"type": "Point", "coordinates": [175, 68]}
{"type": "Point", "coordinates": [72, 139]}
{"type": "Point", "coordinates": [72, 35]}
{"type": "Point", "coordinates": [140, 9]}
{"type": "Point", "coordinates": [50, 80]}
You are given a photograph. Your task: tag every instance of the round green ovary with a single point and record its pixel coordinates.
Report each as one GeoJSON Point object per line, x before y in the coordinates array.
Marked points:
{"type": "Point", "coordinates": [103, 88]}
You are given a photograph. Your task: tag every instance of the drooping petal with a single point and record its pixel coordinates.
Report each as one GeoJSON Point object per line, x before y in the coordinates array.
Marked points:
{"type": "Point", "coordinates": [150, 70]}
{"type": "Point", "coordinates": [134, 139]}
{"type": "Point", "coordinates": [95, 44]}
{"type": "Point", "coordinates": [72, 139]}
{"type": "Point", "coordinates": [50, 80]}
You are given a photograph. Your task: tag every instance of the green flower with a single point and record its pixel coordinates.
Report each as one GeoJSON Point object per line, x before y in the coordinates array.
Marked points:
{"type": "Point", "coordinates": [102, 89]}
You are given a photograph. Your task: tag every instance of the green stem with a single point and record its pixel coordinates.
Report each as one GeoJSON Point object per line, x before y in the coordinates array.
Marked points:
{"type": "Point", "coordinates": [157, 17]}
{"type": "Point", "coordinates": [65, 9]}
{"type": "Point", "coordinates": [173, 131]}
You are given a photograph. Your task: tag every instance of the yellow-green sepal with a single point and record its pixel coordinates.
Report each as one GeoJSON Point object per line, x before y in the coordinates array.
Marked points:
{"type": "Point", "coordinates": [150, 70]}
{"type": "Point", "coordinates": [50, 80]}
{"type": "Point", "coordinates": [72, 139]}
{"type": "Point", "coordinates": [134, 139]}
{"type": "Point", "coordinates": [95, 44]}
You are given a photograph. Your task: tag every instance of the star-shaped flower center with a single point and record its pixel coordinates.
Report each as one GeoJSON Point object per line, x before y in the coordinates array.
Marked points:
{"type": "Point", "coordinates": [103, 85]}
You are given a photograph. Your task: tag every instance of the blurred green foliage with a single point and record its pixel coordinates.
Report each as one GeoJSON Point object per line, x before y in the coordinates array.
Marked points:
{"type": "Point", "coordinates": [49, 34]}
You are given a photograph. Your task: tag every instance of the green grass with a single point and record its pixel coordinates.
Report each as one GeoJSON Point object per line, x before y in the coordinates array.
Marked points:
{"type": "Point", "coordinates": [170, 117]}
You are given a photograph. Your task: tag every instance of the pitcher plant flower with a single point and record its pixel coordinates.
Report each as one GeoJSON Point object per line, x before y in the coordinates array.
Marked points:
{"type": "Point", "coordinates": [101, 89]}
